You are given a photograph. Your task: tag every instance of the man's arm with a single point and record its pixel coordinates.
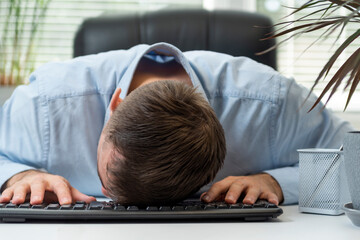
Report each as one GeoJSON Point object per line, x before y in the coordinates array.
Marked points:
{"type": "Point", "coordinates": [295, 129]}
{"type": "Point", "coordinates": [22, 151]}
{"type": "Point", "coordinates": [21, 133]}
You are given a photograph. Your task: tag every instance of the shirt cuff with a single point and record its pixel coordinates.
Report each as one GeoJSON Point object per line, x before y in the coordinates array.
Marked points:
{"type": "Point", "coordinates": [288, 179]}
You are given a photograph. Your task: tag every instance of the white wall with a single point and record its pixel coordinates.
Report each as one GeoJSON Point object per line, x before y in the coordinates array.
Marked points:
{"type": "Point", "coordinates": [352, 117]}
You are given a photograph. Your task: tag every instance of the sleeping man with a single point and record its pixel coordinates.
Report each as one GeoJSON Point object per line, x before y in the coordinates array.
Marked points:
{"type": "Point", "coordinates": [153, 125]}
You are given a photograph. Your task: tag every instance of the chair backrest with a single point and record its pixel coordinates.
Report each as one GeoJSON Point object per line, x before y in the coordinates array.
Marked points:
{"type": "Point", "coordinates": [236, 33]}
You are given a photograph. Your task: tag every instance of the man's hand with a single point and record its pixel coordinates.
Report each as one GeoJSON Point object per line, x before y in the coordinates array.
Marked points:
{"type": "Point", "coordinates": [35, 184]}
{"type": "Point", "coordinates": [259, 186]}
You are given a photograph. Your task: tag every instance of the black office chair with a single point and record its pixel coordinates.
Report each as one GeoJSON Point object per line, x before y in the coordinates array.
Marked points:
{"type": "Point", "coordinates": [236, 33]}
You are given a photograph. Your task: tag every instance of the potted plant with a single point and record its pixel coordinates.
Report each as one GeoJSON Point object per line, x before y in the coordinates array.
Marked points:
{"type": "Point", "coordinates": [18, 37]}
{"type": "Point", "coordinates": [328, 21]}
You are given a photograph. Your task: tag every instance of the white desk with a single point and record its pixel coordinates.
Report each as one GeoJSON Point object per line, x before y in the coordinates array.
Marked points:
{"type": "Point", "coordinates": [291, 225]}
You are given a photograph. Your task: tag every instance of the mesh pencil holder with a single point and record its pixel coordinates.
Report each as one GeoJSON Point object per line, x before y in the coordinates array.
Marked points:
{"type": "Point", "coordinates": [322, 182]}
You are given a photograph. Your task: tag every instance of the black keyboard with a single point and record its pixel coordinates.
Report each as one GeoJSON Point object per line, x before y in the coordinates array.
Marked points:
{"type": "Point", "coordinates": [98, 211]}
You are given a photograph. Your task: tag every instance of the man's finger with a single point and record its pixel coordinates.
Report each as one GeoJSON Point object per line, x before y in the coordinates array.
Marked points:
{"type": "Point", "coordinates": [6, 195]}
{"type": "Point", "coordinates": [78, 196]}
{"type": "Point", "coordinates": [252, 195]}
{"type": "Point", "coordinates": [202, 195]}
{"type": "Point", "coordinates": [271, 198]}
{"type": "Point", "coordinates": [20, 193]}
{"type": "Point", "coordinates": [63, 192]}
{"type": "Point", "coordinates": [234, 192]}
{"type": "Point", "coordinates": [216, 190]}
{"type": "Point", "coordinates": [37, 193]}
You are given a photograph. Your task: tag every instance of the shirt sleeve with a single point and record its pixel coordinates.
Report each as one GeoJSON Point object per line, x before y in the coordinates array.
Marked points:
{"type": "Point", "coordinates": [296, 128]}
{"type": "Point", "coordinates": [21, 132]}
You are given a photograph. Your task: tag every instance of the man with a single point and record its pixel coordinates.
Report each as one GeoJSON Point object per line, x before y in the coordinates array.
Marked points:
{"type": "Point", "coordinates": [55, 124]}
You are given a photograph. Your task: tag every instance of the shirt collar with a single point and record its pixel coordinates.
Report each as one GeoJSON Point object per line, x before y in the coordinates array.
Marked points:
{"type": "Point", "coordinates": [160, 49]}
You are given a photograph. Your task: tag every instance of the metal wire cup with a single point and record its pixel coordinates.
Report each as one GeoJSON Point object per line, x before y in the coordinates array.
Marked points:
{"type": "Point", "coordinates": [322, 185]}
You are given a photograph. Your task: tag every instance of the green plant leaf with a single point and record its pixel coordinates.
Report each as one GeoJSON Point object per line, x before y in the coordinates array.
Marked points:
{"type": "Point", "coordinates": [336, 80]}
{"type": "Point", "coordinates": [315, 26]}
{"type": "Point", "coordinates": [354, 78]}
{"type": "Point", "coordinates": [333, 58]}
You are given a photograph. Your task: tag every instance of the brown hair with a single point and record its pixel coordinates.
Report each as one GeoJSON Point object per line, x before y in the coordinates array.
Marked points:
{"type": "Point", "coordinates": [171, 140]}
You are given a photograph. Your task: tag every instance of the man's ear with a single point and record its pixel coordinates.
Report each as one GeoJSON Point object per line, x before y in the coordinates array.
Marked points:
{"type": "Point", "coordinates": [115, 100]}
{"type": "Point", "coordinates": [105, 192]}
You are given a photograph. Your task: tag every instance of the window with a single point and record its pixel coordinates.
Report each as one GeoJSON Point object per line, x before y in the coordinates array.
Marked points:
{"type": "Point", "coordinates": [54, 38]}
{"type": "Point", "coordinates": [64, 17]}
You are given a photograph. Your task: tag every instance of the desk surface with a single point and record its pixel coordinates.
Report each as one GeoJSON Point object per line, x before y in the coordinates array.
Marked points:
{"type": "Point", "coordinates": [290, 225]}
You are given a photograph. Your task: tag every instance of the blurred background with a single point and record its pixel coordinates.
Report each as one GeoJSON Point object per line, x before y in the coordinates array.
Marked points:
{"type": "Point", "coordinates": [34, 32]}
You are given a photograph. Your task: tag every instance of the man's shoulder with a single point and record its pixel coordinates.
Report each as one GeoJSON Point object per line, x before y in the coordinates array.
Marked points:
{"type": "Point", "coordinates": [97, 73]}
{"type": "Point", "coordinates": [240, 77]}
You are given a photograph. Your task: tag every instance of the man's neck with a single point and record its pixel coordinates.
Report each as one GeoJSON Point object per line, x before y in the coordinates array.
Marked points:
{"type": "Point", "coordinates": [149, 71]}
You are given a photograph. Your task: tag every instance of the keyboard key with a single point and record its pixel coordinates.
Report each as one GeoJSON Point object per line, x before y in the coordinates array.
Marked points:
{"type": "Point", "coordinates": [177, 208]}
{"type": "Point", "coordinates": [25, 205]}
{"type": "Point", "coordinates": [39, 206]}
{"type": "Point", "coordinates": [222, 205]}
{"type": "Point", "coordinates": [66, 207]}
{"type": "Point", "coordinates": [247, 206]}
{"type": "Point", "coordinates": [79, 206]}
{"type": "Point", "coordinates": [11, 205]}
{"type": "Point", "coordinates": [152, 208]}
{"type": "Point", "coordinates": [108, 206]}
{"type": "Point", "coordinates": [132, 208]}
{"type": "Point", "coordinates": [259, 205]}
{"type": "Point", "coordinates": [120, 208]}
{"type": "Point", "coordinates": [53, 206]}
{"type": "Point", "coordinates": [2, 205]}
{"type": "Point", "coordinates": [96, 206]}
{"type": "Point", "coordinates": [165, 208]}
{"type": "Point", "coordinates": [236, 205]}
{"type": "Point", "coordinates": [193, 208]}
{"type": "Point", "coordinates": [271, 205]}
{"type": "Point", "coordinates": [209, 206]}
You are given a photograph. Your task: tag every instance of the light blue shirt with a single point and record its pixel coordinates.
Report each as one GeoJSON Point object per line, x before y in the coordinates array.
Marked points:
{"type": "Point", "coordinates": [54, 123]}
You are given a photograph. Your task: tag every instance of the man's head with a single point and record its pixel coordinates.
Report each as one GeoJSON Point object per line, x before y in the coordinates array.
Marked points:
{"type": "Point", "coordinates": [161, 144]}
